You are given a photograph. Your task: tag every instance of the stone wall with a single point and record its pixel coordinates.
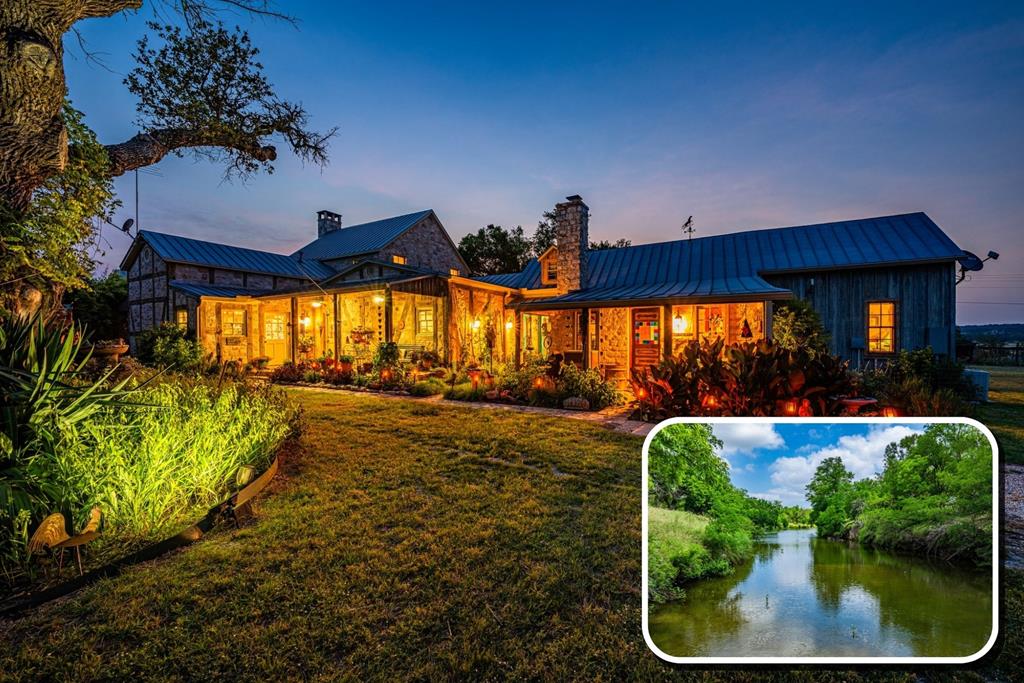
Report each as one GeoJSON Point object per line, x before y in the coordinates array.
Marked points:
{"type": "Point", "coordinates": [564, 331]}
{"type": "Point", "coordinates": [468, 344]}
{"type": "Point", "coordinates": [572, 236]}
{"type": "Point", "coordinates": [614, 336]}
{"type": "Point", "coordinates": [426, 244]}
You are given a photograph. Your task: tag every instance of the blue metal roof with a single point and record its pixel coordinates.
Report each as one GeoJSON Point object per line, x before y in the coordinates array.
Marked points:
{"type": "Point", "coordinates": [202, 253]}
{"type": "Point", "coordinates": [364, 238]}
{"type": "Point", "coordinates": [732, 265]}
{"type": "Point", "coordinates": [200, 289]}
{"type": "Point", "coordinates": [528, 278]}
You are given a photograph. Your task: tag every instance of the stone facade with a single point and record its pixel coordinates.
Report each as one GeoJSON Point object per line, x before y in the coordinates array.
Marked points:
{"type": "Point", "coordinates": [426, 245]}
{"type": "Point", "coordinates": [572, 236]}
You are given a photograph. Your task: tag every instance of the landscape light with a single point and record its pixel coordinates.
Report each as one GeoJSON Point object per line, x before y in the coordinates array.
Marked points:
{"type": "Point", "coordinates": [891, 411]}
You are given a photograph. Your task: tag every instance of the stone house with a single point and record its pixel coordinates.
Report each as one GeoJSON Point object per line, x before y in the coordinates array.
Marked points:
{"type": "Point", "coordinates": [880, 285]}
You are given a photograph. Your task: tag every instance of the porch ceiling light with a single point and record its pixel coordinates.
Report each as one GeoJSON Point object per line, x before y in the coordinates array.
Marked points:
{"type": "Point", "coordinates": [316, 304]}
{"type": "Point", "coordinates": [680, 324]}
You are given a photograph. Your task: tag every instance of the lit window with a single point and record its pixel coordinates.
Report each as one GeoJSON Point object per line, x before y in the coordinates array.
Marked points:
{"type": "Point", "coordinates": [181, 318]}
{"type": "Point", "coordinates": [424, 321]}
{"type": "Point", "coordinates": [400, 260]}
{"type": "Point", "coordinates": [233, 322]}
{"type": "Point", "coordinates": [881, 327]}
{"type": "Point", "coordinates": [551, 272]}
{"type": "Point", "coordinates": [453, 271]}
{"type": "Point", "coordinates": [273, 328]}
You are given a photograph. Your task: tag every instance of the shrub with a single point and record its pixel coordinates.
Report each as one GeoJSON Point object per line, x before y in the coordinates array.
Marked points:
{"type": "Point", "coordinates": [465, 392]}
{"type": "Point", "coordinates": [386, 356]}
{"type": "Point", "coordinates": [586, 384]}
{"type": "Point", "coordinates": [287, 374]}
{"type": "Point", "coordinates": [796, 325]}
{"type": "Point", "coordinates": [428, 387]}
{"type": "Point", "coordinates": [921, 383]}
{"type": "Point", "coordinates": [750, 378]}
{"type": "Point", "coordinates": [169, 346]}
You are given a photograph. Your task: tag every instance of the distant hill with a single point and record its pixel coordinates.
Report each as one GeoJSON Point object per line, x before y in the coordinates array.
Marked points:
{"type": "Point", "coordinates": [1010, 332]}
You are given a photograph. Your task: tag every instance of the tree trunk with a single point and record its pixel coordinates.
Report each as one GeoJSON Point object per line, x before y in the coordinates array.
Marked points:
{"type": "Point", "coordinates": [33, 141]}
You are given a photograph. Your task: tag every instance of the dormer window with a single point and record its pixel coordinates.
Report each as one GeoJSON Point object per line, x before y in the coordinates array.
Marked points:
{"type": "Point", "coordinates": [454, 272]}
{"type": "Point", "coordinates": [551, 272]}
{"type": "Point", "coordinates": [400, 260]}
{"type": "Point", "coordinates": [549, 267]}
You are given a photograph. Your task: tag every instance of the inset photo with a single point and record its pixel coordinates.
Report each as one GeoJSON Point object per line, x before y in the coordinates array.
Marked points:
{"type": "Point", "coordinates": [820, 541]}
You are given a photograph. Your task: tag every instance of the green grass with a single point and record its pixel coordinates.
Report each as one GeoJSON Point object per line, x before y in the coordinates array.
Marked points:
{"type": "Point", "coordinates": [675, 538]}
{"type": "Point", "coordinates": [1004, 414]}
{"type": "Point", "coordinates": [404, 540]}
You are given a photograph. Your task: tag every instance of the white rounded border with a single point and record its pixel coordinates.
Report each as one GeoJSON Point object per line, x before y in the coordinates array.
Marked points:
{"type": "Point", "coordinates": [829, 660]}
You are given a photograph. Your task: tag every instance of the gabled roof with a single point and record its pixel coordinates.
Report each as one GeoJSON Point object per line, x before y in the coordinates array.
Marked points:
{"type": "Point", "coordinates": [364, 238]}
{"type": "Point", "coordinates": [528, 278]}
{"type": "Point", "coordinates": [403, 268]}
{"type": "Point", "coordinates": [732, 265]}
{"type": "Point", "coordinates": [202, 253]}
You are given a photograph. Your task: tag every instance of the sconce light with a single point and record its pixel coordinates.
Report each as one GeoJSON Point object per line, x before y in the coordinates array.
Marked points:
{"type": "Point", "coordinates": [307, 321]}
{"type": "Point", "coordinates": [680, 324]}
{"type": "Point", "coordinates": [476, 324]}
{"type": "Point", "coordinates": [509, 325]}
{"type": "Point", "coordinates": [378, 299]}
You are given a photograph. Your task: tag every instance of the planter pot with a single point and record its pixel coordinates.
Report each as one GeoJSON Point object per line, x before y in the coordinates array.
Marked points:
{"type": "Point", "coordinates": [109, 354]}
{"type": "Point", "coordinates": [345, 366]}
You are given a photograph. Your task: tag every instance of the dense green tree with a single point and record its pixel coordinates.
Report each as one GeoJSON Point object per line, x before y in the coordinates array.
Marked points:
{"type": "Point", "coordinates": [544, 235]}
{"type": "Point", "coordinates": [99, 308]}
{"type": "Point", "coordinates": [494, 250]}
{"type": "Point", "coordinates": [796, 325]}
{"type": "Point", "coordinates": [685, 472]}
{"type": "Point", "coordinates": [605, 244]}
{"type": "Point", "coordinates": [829, 486]}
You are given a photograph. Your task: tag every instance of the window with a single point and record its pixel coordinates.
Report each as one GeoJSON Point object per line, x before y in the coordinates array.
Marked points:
{"type": "Point", "coordinates": [551, 272]}
{"type": "Point", "coordinates": [881, 327]}
{"type": "Point", "coordinates": [453, 272]}
{"type": "Point", "coordinates": [424, 321]}
{"type": "Point", "coordinates": [233, 322]}
{"type": "Point", "coordinates": [181, 318]}
{"type": "Point", "coordinates": [400, 260]}
{"type": "Point", "coordinates": [273, 328]}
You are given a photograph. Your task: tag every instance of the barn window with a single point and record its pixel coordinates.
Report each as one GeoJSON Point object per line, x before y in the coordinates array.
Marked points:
{"type": "Point", "coordinates": [400, 260]}
{"type": "Point", "coordinates": [881, 327]}
{"type": "Point", "coordinates": [233, 322]}
{"type": "Point", "coordinates": [181, 318]}
{"type": "Point", "coordinates": [424, 321]}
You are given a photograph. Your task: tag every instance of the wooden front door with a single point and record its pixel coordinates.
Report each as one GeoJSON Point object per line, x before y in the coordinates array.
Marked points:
{"type": "Point", "coordinates": [276, 345]}
{"type": "Point", "coordinates": [646, 344]}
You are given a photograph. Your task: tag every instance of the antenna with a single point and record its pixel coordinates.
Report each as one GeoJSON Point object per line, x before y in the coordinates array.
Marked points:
{"type": "Point", "coordinates": [688, 228]}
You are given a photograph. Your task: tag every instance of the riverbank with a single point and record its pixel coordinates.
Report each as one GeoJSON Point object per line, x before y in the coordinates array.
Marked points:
{"type": "Point", "coordinates": [800, 595]}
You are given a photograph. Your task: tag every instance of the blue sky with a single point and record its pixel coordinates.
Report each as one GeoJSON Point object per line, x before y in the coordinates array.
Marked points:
{"type": "Point", "coordinates": [755, 115]}
{"type": "Point", "coordinates": [775, 461]}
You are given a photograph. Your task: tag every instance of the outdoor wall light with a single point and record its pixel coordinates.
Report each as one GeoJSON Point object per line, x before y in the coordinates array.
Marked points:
{"type": "Point", "coordinates": [476, 324]}
{"type": "Point", "coordinates": [378, 299]}
{"type": "Point", "coordinates": [680, 324]}
{"type": "Point", "coordinates": [509, 325]}
{"type": "Point", "coordinates": [307, 321]}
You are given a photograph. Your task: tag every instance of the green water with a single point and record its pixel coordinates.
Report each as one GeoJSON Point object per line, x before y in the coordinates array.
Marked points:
{"type": "Point", "coordinates": [802, 596]}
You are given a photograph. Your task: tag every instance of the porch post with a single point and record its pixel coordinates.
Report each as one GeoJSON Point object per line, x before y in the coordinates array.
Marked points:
{"type": "Point", "coordinates": [666, 332]}
{"type": "Point", "coordinates": [388, 302]}
{"type": "Point", "coordinates": [293, 324]}
{"type": "Point", "coordinates": [517, 318]}
{"type": "Point", "coordinates": [584, 322]}
{"type": "Point", "coordinates": [337, 325]}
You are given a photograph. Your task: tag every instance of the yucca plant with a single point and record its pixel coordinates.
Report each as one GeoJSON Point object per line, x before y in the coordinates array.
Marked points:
{"type": "Point", "coordinates": [43, 401]}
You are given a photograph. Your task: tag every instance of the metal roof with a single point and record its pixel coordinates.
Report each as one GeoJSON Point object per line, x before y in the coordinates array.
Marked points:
{"type": "Point", "coordinates": [203, 253]}
{"type": "Point", "coordinates": [364, 238]}
{"type": "Point", "coordinates": [528, 278]}
{"type": "Point", "coordinates": [200, 289]}
{"type": "Point", "coordinates": [732, 265]}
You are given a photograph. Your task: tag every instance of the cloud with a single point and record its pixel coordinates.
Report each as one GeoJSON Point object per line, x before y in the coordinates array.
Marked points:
{"type": "Point", "coordinates": [743, 438]}
{"type": "Point", "coordinates": [863, 454]}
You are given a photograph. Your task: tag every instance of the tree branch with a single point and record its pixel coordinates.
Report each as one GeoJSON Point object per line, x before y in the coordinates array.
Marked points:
{"type": "Point", "coordinates": [88, 9]}
{"type": "Point", "coordinates": [146, 149]}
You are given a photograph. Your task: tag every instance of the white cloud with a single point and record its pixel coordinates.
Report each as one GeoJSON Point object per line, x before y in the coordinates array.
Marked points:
{"type": "Point", "coordinates": [743, 438]}
{"type": "Point", "coordinates": [863, 454]}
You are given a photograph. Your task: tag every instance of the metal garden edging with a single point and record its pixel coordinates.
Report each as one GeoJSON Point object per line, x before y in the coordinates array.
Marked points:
{"type": "Point", "coordinates": [225, 508]}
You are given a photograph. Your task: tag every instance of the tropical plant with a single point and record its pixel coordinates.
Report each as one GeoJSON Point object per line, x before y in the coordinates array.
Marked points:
{"type": "Point", "coordinates": [797, 325]}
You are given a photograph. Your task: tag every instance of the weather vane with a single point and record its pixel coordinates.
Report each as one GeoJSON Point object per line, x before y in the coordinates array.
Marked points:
{"type": "Point", "coordinates": [688, 228]}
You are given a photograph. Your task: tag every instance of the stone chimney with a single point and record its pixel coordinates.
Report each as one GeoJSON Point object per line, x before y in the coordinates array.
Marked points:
{"type": "Point", "coordinates": [572, 237]}
{"type": "Point", "coordinates": [327, 221]}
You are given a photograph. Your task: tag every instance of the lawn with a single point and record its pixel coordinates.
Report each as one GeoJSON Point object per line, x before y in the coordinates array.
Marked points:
{"type": "Point", "coordinates": [1004, 414]}
{"type": "Point", "coordinates": [404, 540]}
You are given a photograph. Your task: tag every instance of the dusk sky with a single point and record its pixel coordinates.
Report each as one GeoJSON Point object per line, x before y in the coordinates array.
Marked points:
{"type": "Point", "coordinates": [762, 115]}
{"type": "Point", "coordinates": [775, 461]}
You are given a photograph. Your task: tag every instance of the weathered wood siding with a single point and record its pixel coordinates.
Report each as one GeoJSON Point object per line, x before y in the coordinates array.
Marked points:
{"type": "Point", "coordinates": [148, 293]}
{"type": "Point", "coordinates": [925, 297]}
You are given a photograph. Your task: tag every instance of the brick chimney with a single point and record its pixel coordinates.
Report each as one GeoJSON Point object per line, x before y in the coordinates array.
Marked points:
{"type": "Point", "coordinates": [572, 237]}
{"type": "Point", "coordinates": [327, 221]}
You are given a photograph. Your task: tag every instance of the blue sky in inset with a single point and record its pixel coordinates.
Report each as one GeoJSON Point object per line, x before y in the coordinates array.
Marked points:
{"type": "Point", "coordinates": [775, 461]}
{"type": "Point", "coordinates": [742, 114]}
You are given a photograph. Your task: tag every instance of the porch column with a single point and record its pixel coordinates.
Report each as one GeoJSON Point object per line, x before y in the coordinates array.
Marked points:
{"type": "Point", "coordinates": [293, 323]}
{"type": "Point", "coordinates": [666, 331]}
{"type": "Point", "coordinates": [584, 322]}
{"type": "Point", "coordinates": [337, 325]}
{"type": "Point", "coordinates": [517, 318]}
{"type": "Point", "coordinates": [388, 313]}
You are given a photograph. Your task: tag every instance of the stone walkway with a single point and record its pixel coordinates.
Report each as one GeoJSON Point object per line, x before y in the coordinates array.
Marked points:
{"type": "Point", "coordinates": [615, 418]}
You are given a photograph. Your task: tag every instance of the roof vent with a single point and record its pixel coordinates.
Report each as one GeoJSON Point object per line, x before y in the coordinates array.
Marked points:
{"type": "Point", "coordinates": [327, 221]}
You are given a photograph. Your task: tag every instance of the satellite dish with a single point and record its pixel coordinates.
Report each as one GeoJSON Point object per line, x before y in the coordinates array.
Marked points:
{"type": "Point", "coordinates": [970, 261]}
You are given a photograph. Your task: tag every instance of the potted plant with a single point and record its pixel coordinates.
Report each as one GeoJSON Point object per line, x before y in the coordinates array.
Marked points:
{"type": "Point", "coordinates": [109, 350]}
{"type": "Point", "coordinates": [305, 344]}
{"type": "Point", "coordinates": [428, 359]}
{"type": "Point", "coordinates": [345, 364]}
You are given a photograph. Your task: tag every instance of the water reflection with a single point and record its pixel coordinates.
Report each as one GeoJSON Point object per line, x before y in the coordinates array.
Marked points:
{"type": "Point", "coordinates": [804, 596]}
